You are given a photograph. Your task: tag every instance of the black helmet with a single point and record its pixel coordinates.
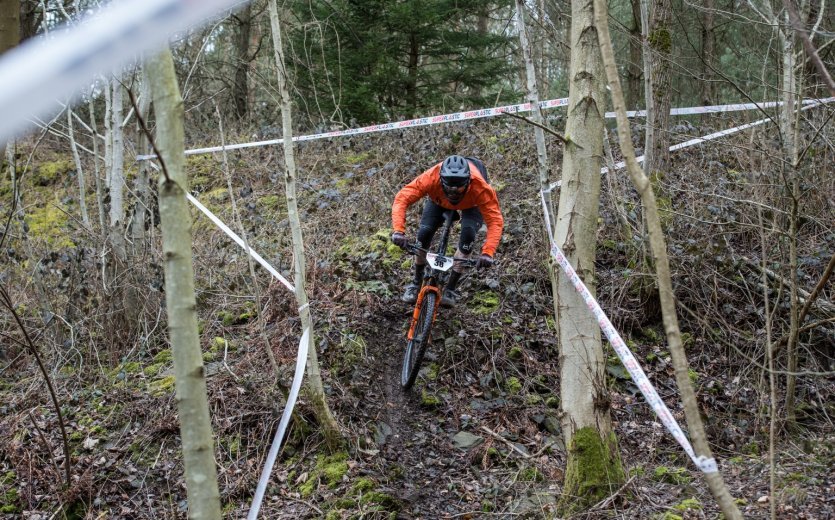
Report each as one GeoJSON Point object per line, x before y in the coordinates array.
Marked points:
{"type": "Point", "coordinates": [455, 171]}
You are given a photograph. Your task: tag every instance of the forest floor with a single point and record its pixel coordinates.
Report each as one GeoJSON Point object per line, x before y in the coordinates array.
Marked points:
{"type": "Point", "coordinates": [478, 436]}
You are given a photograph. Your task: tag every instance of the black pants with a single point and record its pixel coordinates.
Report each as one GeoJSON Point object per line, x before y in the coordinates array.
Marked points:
{"type": "Point", "coordinates": [433, 218]}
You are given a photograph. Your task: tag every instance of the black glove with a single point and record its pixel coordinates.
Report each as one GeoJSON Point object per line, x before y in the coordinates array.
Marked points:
{"type": "Point", "coordinates": [399, 239]}
{"type": "Point", "coordinates": [484, 261]}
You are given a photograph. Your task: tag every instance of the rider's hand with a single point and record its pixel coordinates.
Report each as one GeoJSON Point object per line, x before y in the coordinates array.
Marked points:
{"type": "Point", "coordinates": [399, 239]}
{"type": "Point", "coordinates": [484, 261]}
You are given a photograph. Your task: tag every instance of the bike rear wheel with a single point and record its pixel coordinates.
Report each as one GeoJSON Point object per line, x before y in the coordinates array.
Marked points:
{"type": "Point", "coordinates": [416, 347]}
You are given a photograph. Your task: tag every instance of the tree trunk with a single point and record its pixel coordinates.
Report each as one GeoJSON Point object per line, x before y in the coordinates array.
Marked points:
{"type": "Point", "coordinates": [662, 266]}
{"type": "Point", "coordinates": [634, 69]}
{"type": "Point", "coordinates": [96, 171]}
{"type": "Point", "coordinates": [656, 153]}
{"type": "Point", "coordinates": [708, 53]}
{"type": "Point", "coordinates": [594, 468]}
{"type": "Point", "coordinates": [175, 221]}
{"type": "Point", "coordinates": [142, 181]}
{"type": "Point", "coordinates": [79, 171]}
{"type": "Point", "coordinates": [117, 172]}
{"type": "Point", "coordinates": [241, 85]}
{"type": "Point", "coordinates": [315, 389]}
{"type": "Point", "coordinates": [9, 36]}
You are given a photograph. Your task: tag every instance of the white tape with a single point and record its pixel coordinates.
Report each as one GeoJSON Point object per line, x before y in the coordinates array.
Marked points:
{"type": "Point", "coordinates": [301, 360]}
{"type": "Point", "coordinates": [474, 114]}
{"type": "Point", "coordinates": [410, 123]}
{"type": "Point", "coordinates": [42, 70]}
{"type": "Point", "coordinates": [219, 223]}
{"type": "Point", "coordinates": [714, 109]}
{"type": "Point", "coordinates": [640, 379]}
{"type": "Point", "coordinates": [809, 103]}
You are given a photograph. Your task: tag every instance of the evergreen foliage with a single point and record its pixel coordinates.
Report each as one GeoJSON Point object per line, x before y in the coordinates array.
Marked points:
{"type": "Point", "coordinates": [370, 60]}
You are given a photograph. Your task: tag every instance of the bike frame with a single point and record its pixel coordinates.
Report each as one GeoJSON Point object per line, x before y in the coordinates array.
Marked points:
{"type": "Point", "coordinates": [437, 264]}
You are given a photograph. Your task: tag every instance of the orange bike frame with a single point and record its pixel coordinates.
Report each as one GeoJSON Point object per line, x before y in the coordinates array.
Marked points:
{"type": "Point", "coordinates": [416, 312]}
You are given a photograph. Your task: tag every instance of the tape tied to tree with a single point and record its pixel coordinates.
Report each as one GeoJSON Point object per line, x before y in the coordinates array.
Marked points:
{"type": "Point", "coordinates": [705, 464]}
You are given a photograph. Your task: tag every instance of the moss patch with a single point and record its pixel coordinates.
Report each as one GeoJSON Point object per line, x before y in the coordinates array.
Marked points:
{"type": "Point", "coordinates": [594, 471]}
{"type": "Point", "coordinates": [46, 173]}
{"type": "Point", "coordinates": [329, 471]}
{"type": "Point", "coordinates": [669, 475]}
{"type": "Point", "coordinates": [162, 386]}
{"type": "Point", "coordinates": [49, 224]}
{"type": "Point", "coordinates": [484, 302]}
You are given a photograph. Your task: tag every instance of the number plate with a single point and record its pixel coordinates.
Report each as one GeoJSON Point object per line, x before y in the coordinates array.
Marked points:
{"type": "Point", "coordinates": [441, 263]}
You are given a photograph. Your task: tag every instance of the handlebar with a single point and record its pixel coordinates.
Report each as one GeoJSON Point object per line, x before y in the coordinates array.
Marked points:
{"type": "Point", "coordinates": [437, 261]}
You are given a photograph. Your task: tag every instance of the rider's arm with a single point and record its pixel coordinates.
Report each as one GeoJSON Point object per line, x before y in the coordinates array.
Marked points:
{"type": "Point", "coordinates": [488, 204]}
{"type": "Point", "coordinates": [408, 195]}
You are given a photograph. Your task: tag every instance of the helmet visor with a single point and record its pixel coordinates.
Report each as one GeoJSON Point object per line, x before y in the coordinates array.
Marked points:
{"type": "Point", "coordinates": [455, 182]}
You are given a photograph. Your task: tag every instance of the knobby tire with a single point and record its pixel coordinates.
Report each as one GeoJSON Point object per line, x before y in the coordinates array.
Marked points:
{"type": "Point", "coordinates": [416, 347]}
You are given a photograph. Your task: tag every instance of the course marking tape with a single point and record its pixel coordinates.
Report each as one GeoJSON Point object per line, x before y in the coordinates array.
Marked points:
{"type": "Point", "coordinates": [809, 103]}
{"type": "Point", "coordinates": [37, 74]}
{"type": "Point", "coordinates": [471, 114]}
{"type": "Point", "coordinates": [705, 464]}
{"type": "Point", "coordinates": [410, 123]}
{"type": "Point", "coordinates": [301, 359]}
{"type": "Point", "coordinates": [258, 258]}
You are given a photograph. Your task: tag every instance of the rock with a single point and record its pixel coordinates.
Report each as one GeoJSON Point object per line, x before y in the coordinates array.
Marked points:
{"type": "Point", "coordinates": [552, 425]}
{"type": "Point", "coordinates": [533, 506]}
{"type": "Point", "coordinates": [466, 440]}
{"type": "Point", "coordinates": [382, 431]}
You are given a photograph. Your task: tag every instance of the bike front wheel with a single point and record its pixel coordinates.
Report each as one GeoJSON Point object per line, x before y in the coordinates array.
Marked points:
{"type": "Point", "coordinates": [416, 347]}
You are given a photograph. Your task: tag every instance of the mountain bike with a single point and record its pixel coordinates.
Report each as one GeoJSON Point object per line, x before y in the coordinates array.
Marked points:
{"type": "Point", "coordinates": [428, 300]}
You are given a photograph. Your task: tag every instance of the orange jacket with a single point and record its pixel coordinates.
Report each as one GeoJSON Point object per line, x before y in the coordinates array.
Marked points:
{"type": "Point", "coordinates": [480, 194]}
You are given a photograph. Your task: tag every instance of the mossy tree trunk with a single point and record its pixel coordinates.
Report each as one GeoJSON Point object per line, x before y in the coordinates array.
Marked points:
{"type": "Point", "coordinates": [9, 36]}
{"type": "Point", "coordinates": [594, 468]}
{"type": "Point", "coordinates": [662, 266]}
{"type": "Point", "coordinates": [315, 389]}
{"type": "Point", "coordinates": [175, 221]}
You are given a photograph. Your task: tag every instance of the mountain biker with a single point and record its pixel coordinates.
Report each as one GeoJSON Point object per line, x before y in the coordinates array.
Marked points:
{"type": "Point", "coordinates": [458, 183]}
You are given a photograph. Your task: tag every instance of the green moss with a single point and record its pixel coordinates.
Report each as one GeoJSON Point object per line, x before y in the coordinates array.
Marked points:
{"type": "Point", "coordinates": [515, 353]}
{"type": "Point", "coordinates": [218, 195]}
{"type": "Point", "coordinates": [531, 474]}
{"type": "Point", "coordinates": [226, 318]}
{"type": "Point", "coordinates": [660, 40]}
{"type": "Point", "coordinates": [433, 371]}
{"type": "Point", "coordinates": [272, 202]}
{"type": "Point", "coordinates": [358, 158]}
{"type": "Point", "coordinates": [202, 168]}
{"type": "Point", "coordinates": [693, 375]}
{"type": "Point", "coordinates": [533, 399]}
{"type": "Point", "coordinates": [329, 470]}
{"type": "Point", "coordinates": [429, 400]}
{"type": "Point", "coordinates": [160, 387]}
{"type": "Point", "coordinates": [651, 335]}
{"type": "Point", "coordinates": [362, 485]}
{"type": "Point", "coordinates": [386, 502]}
{"type": "Point", "coordinates": [676, 476]}
{"type": "Point", "coordinates": [686, 340]}
{"type": "Point", "coordinates": [46, 173]}
{"type": "Point", "coordinates": [552, 402]}
{"type": "Point", "coordinates": [48, 223]}
{"type": "Point", "coordinates": [594, 470]}
{"type": "Point", "coordinates": [688, 504]}
{"type": "Point", "coordinates": [217, 344]}
{"type": "Point", "coordinates": [513, 385]}
{"type": "Point", "coordinates": [484, 302]}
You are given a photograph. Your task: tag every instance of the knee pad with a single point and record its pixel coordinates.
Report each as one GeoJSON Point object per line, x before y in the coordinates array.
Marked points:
{"type": "Point", "coordinates": [465, 242]}
{"type": "Point", "coordinates": [424, 236]}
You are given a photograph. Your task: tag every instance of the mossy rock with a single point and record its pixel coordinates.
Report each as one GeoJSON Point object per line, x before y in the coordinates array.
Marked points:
{"type": "Point", "coordinates": [484, 302]}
